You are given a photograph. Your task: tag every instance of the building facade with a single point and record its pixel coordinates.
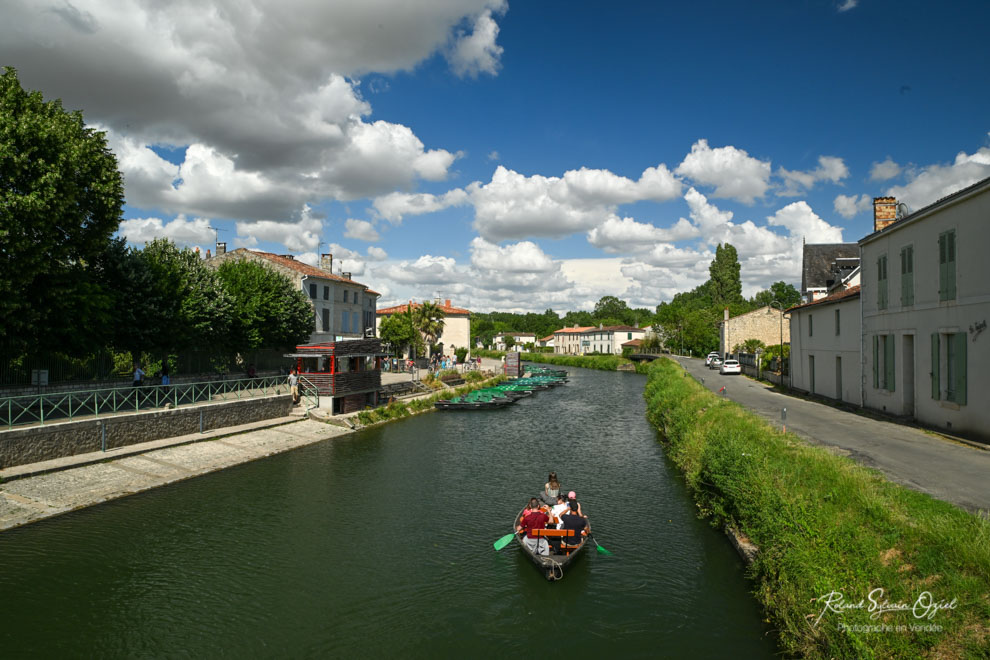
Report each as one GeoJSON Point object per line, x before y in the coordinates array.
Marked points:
{"type": "Point", "coordinates": [567, 341]}
{"type": "Point", "coordinates": [825, 346]}
{"type": "Point", "coordinates": [608, 339]}
{"type": "Point", "coordinates": [926, 303]}
{"type": "Point", "coordinates": [519, 339]}
{"type": "Point", "coordinates": [456, 324]}
{"type": "Point", "coordinates": [343, 309]}
{"type": "Point", "coordinates": [768, 324]}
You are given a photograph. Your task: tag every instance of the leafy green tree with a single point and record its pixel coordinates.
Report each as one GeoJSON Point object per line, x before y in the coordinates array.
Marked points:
{"type": "Point", "coordinates": [398, 331]}
{"type": "Point", "coordinates": [612, 309]}
{"type": "Point", "coordinates": [780, 292]}
{"type": "Point", "coordinates": [428, 320]}
{"type": "Point", "coordinates": [61, 196]}
{"type": "Point", "coordinates": [510, 341]}
{"type": "Point", "coordinates": [725, 283]}
{"type": "Point", "coordinates": [269, 311]}
{"type": "Point", "coordinates": [195, 309]}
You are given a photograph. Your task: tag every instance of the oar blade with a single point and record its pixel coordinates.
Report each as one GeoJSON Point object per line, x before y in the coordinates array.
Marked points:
{"type": "Point", "coordinates": [504, 541]}
{"type": "Point", "coordinates": [602, 550]}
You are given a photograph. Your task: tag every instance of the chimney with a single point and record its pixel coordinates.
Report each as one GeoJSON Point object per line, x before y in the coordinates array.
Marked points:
{"type": "Point", "coordinates": [346, 276]}
{"type": "Point", "coordinates": [326, 262]}
{"type": "Point", "coordinates": [207, 253]}
{"type": "Point", "coordinates": [287, 256]}
{"type": "Point", "coordinates": [221, 248]}
{"type": "Point", "coordinates": [447, 302]}
{"type": "Point", "coordinates": [884, 212]}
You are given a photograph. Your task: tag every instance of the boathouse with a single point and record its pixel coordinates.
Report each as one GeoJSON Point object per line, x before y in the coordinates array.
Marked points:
{"type": "Point", "coordinates": [347, 374]}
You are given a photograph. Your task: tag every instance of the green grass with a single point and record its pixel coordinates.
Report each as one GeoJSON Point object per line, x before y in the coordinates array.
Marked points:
{"type": "Point", "coordinates": [601, 362]}
{"type": "Point", "coordinates": [400, 409]}
{"type": "Point", "coordinates": [823, 523]}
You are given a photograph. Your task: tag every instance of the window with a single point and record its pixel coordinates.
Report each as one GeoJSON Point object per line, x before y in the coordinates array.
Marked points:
{"type": "Point", "coordinates": [882, 282]}
{"type": "Point", "coordinates": [811, 325]}
{"type": "Point", "coordinates": [345, 295]}
{"type": "Point", "coordinates": [949, 358]}
{"type": "Point", "coordinates": [628, 335]}
{"type": "Point", "coordinates": [947, 265]}
{"type": "Point", "coordinates": [907, 275]}
{"type": "Point", "coordinates": [838, 327]}
{"type": "Point", "coordinates": [326, 293]}
{"type": "Point", "coordinates": [883, 362]}
{"type": "Point", "coordinates": [312, 291]}
{"type": "Point", "coordinates": [326, 320]}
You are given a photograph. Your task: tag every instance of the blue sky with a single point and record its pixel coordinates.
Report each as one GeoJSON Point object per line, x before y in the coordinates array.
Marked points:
{"type": "Point", "coordinates": [520, 155]}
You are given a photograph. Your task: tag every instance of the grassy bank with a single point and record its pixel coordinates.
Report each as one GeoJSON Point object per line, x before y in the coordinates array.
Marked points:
{"type": "Point", "coordinates": [826, 525]}
{"type": "Point", "coordinates": [400, 409]}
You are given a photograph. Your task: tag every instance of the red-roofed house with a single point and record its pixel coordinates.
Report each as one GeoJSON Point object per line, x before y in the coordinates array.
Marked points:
{"type": "Point", "coordinates": [608, 339]}
{"type": "Point", "coordinates": [456, 324]}
{"type": "Point", "coordinates": [344, 309]}
{"type": "Point", "coordinates": [568, 340]}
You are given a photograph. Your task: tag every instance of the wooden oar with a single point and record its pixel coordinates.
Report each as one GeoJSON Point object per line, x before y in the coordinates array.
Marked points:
{"type": "Point", "coordinates": [504, 541]}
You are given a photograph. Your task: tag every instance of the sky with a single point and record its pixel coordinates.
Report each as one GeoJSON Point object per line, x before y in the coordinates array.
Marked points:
{"type": "Point", "coordinates": [519, 156]}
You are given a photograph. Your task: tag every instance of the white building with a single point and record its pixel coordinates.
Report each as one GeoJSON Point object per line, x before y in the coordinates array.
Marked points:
{"type": "Point", "coordinates": [567, 341]}
{"type": "Point", "coordinates": [344, 309]}
{"type": "Point", "coordinates": [926, 302]}
{"type": "Point", "coordinates": [456, 324]}
{"type": "Point", "coordinates": [608, 339]}
{"type": "Point", "coordinates": [825, 338]}
{"type": "Point", "coordinates": [519, 340]}
{"type": "Point", "coordinates": [546, 342]}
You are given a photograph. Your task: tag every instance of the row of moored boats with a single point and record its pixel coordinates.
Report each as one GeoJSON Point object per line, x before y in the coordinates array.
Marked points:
{"type": "Point", "coordinates": [507, 392]}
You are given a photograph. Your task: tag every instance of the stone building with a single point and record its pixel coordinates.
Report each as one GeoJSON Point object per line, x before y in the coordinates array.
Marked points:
{"type": "Point", "coordinates": [344, 309]}
{"type": "Point", "coordinates": [764, 324]}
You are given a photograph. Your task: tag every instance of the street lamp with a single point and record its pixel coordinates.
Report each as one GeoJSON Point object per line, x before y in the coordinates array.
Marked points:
{"type": "Point", "coordinates": [780, 306]}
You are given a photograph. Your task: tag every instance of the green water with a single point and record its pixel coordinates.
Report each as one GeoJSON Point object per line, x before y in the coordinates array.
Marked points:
{"type": "Point", "coordinates": [379, 544]}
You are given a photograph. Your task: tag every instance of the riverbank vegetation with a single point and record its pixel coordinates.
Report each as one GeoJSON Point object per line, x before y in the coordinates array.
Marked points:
{"type": "Point", "coordinates": [827, 529]}
{"type": "Point", "coordinates": [600, 362]}
{"type": "Point", "coordinates": [400, 409]}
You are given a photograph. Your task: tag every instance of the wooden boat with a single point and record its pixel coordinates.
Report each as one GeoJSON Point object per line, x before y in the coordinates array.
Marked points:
{"type": "Point", "coordinates": [552, 565]}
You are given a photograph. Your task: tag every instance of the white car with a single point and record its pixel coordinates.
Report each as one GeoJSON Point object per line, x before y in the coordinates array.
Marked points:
{"type": "Point", "coordinates": [711, 356]}
{"type": "Point", "coordinates": [730, 367]}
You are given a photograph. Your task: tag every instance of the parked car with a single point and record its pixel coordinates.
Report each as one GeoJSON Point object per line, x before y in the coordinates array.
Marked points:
{"type": "Point", "coordinates": [711, 356]}
{"type": "Point", "coordinates": [715, 363]}
{"type": "Point", "coordinates": [730, 367]}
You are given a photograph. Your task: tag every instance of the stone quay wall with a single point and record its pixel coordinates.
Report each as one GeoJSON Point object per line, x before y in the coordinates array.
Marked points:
{"type": "Point", "coordinates": [42, 443]}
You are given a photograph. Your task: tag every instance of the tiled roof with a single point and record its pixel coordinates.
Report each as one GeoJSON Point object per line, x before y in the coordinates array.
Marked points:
{"type": "Point", "coordinates": [401, 309]}
{"type": "Point", "coordinates": [635, 343]}
{"type": "Point", "coordinates": [614, 328]}
{"type": "Point", "coordinates": [563, 330]}
{"type": "Point", "coordinates": [547, 338]}
{"type": "Point", "coordinates": [838, 296]}
{"type": "Point", "coordinates": [816, 262]}
{"type": "Point", "coordinates": [298, 266]}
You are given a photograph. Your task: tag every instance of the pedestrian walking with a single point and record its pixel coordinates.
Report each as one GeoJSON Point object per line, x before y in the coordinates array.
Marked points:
{"type": "Point", "coordinates": [138, 375]}
{"type": "Point", "coordinates": [294, 386]}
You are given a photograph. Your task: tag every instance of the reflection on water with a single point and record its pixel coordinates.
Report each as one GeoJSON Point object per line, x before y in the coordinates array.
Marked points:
{"type": "Point", "coordinates": [379, 544]}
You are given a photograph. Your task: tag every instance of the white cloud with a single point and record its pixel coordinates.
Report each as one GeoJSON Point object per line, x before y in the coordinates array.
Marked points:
{"type": "Point", "coordinates": [476, 52]}
{"type": "Point", "coordinates": [303, 234]}
{"type": "Point", "coordinates": [512, 205]}
{"type": "Point", "coordinates": [493, 155]}
{"type": "Point", "coordinates": [830, 168]}
{"type": "Point", "coordinates": [428, 269]}
{"type": "Point", "coordinates": [623, 235]}
{"type": "Point", "coordinates": [182, 232]}
{"type": "Point", "coordinates": [849, 206]}
{"type": "Point", "coordinates": [888, 169]}
{"type": "Point", "coordinates": [937, 181]}
{"type": "Point", "coordinates": [376, 253]}
{"type": "Point", "coordinates": [802, 222]}
{"type": "Point", "coordinates": [732, 171]}
{"type": "Point", "coordinates": [360, 230]}
{"type": "Point", "coordinates": [524, 257]}
{"type": "Point", "coordinates": [394, 206]}
{"type": "Point", "coordinates": [848, 4]}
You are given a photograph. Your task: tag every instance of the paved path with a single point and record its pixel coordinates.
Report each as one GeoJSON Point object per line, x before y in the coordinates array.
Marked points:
{"type": "Point", "coordinates": [923, 461]}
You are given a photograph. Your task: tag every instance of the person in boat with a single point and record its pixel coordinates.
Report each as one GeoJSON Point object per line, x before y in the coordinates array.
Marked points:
{"type": "Point", "coordinates": [572, 497]}
{"type": "Point", "coordinates": [572, 519]}
{"type": "Point", "coordinates": [551, 489]}
{"type": "Point", "coordinates": [558, 510]}
{"type": "Point", "coordinates": [534, 518]}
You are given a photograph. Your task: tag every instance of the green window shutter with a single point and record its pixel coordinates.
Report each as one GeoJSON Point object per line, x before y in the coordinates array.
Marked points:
{"type": "Point", "coordinates": [950, 264]}
{"type": "Point", "coordinates": [888, 362]}
{"type": "Point", "coordinates": [876, 362]}
{"type": "Point", "coordinates": [935, 367]}
{"type": "Point", "coordinates": [959, 368]}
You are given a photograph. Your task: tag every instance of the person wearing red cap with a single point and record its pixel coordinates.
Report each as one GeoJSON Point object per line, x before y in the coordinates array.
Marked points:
{"type": "Point", "coordinates": [534, 518]}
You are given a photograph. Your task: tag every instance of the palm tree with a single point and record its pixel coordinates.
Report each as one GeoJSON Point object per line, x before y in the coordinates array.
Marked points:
{"type": "Point", "coordinates": [428, 319]}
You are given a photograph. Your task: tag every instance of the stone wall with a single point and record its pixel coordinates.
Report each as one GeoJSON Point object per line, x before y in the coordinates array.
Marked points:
{"type": "Point", "coordinates": [43, 443]}
{"type": "Point", "coordinates": [762, 324]}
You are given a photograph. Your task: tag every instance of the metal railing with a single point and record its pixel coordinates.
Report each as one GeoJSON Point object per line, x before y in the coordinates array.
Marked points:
{"type": "Point", "coordinates": [309, 393]}
{"type": "Point", "coordinates": [67, 406]}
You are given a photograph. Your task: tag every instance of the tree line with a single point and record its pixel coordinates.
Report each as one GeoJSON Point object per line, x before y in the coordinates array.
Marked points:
{"type": "Point", "coordinates": [70, 287]}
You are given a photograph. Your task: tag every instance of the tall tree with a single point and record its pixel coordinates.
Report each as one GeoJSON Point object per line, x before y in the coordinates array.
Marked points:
{"type": "Point", "coordinates": [428, 319]}
{"type": "Point", "coordinates": [61, 196]}
{"type": "Point", "coordinates": [780, 292]}
{"type": "Point", "coordinates": [398, 331]}
{"type": "Point", "coordinates": [725, 283]}
{"type": "Point", "coordinates": [610, 308]}
{"type": "Point", "coordinates": [270, 312]}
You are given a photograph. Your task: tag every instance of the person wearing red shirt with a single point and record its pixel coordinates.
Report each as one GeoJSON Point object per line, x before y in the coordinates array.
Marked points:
{"type": "Point", "coordinates": [534, 518]}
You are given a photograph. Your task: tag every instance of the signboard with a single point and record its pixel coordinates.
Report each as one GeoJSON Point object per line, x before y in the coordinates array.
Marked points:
{"type": "Point", "coordinates": [39, 377]}
{"type": "Point", "coordinates": [513, 367]}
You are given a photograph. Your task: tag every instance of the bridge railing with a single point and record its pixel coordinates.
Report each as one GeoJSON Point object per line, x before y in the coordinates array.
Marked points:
{"type": "Point", "coordinates": [67, 406]}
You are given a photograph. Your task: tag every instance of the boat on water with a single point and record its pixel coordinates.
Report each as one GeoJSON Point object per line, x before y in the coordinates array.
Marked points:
{"type": "Point", "coordinates": [563, 548]}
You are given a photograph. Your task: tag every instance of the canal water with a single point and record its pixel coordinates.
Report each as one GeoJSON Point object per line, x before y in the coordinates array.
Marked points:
{"type": "Point", "coordinates": [379, 544]}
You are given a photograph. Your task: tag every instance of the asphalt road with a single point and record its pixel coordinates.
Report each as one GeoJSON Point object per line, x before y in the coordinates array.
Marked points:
{"type": "Point", "coordinates": [926, 462]}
